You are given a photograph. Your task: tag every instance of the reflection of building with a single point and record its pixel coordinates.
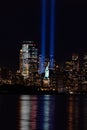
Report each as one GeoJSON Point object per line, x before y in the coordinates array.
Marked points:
{"type": "Point", "coordinates": [28, 58]}
{"type": "Point", "coordinates": [73, 115]}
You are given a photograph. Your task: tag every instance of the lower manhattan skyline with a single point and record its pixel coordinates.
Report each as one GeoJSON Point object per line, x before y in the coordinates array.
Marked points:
{"type": "Point", "coordinates": [43, 65]}
{"type": "Point", "coordinates": [22, 21]}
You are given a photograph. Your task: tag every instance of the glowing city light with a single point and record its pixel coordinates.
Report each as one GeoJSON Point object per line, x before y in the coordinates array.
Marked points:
{"type": "Point", "coordinates": [46, 111]}
{"type": "Point", "coordinates": [34, 112]}
{"type": "Point", "coordinates": [25, 112]}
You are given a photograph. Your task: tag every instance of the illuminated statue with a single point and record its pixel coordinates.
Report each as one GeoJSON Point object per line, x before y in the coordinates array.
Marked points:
{"type": "Point", "coordinates": [47, 71]}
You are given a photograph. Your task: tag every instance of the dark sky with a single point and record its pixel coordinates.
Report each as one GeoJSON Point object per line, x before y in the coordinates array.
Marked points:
{"type": "Point", "coordinates": [21, 20]}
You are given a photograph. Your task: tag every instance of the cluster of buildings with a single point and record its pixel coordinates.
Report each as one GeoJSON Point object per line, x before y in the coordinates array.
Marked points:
{"type": "Point", "coordinates": [75, 72]}
{"type": "Point", "coordinates": [32, 68]}
{"type": "Point", "coordinates": [47, 75]}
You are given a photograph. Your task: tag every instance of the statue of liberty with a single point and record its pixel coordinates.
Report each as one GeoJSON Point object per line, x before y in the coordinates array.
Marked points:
{"type": "Point", "coordinates": [47, 71]}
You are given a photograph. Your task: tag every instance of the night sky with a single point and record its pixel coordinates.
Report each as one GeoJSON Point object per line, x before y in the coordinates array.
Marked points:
{"type": "Point", "coordinates": [21, 20]}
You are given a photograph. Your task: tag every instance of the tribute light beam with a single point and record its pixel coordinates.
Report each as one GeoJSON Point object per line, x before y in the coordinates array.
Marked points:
{"type": "Point", "coordinates": [52, 32]}
{"type": "Point", "coordinates": [43, 28]}
{"type": "Point", "coordinates": [43, 36]}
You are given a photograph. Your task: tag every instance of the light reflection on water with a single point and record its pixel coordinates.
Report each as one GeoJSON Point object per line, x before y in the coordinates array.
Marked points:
{"type": "Point", "coordinates": [25, 106]}
{"type": "Point", "coordinates": [84, 113]}
{"type": "Point", "coordinates": [43, 112]}
{"type": "Point", "coordinates": [33, 114]}
{"type": "Point", "coordinates": [52, 112]}
{"type": "Point", "coordinates": [73, 113]}
{"type": "Point", "coordinates": [46, 112]}
{"type": "Point", "coordinates": [33, 117]}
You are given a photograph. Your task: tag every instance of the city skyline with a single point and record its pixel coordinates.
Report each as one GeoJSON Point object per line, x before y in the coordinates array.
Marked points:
{"type": "Point", "coordinates": [70, 77]}
{"type": "Point", "coordinates": [22, 21]}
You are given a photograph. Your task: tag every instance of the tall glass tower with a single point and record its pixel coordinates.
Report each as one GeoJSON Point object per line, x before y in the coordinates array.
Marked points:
{"type": "Point", "coordinates": [28, 58]}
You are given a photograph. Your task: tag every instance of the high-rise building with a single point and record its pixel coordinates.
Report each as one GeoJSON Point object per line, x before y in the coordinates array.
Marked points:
{"type": "Point", "coordinates": [28, 58]}
{"type": "Point", "coordinates": [75, 62]}
{"type": "Point", "coordinates": [85, 67]}
{"type": "Point", "coordinates": [85, 63]}
{"type": "Point", "coordinates": [20, 61]}
{"type": "Point", "coordinates": [75, 72]}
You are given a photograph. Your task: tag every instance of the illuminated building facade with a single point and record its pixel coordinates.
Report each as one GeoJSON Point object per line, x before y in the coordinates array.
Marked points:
{"type": "Point", "coordinates": [75, 71]}
{"type": "Point", "coordinates": [28, 58]}
{"type": "Point", "coordinates": [85, 67]}
{"type": "Point", "coordinates": [75, 62]}
{"type": "Point", "coordinates": [85, 63]}
{"type": "Point", "coordinates": [20, 61]}
{"type": "Point", "coordinates": [68, 66]}
{"type": "Point", "coordinates": [68, 69]}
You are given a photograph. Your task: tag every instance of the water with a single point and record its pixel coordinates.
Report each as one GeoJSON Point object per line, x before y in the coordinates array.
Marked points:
{"type": "Point", "coordinates": [43, 112]}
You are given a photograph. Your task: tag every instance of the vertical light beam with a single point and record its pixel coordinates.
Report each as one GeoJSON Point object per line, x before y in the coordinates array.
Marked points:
{"type": "Point", "coordinates": [43, 28]}
{"type": "Point", "coordinates": [52, 32]}
{"type": "Point", "coordinates": [43, 37]}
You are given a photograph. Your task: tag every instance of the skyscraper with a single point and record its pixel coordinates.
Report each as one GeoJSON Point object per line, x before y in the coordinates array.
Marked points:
{"type": "Point", "coordinates": [28, 58]}
{"type": "Point", "coordinates": [75, 62]}
{"type": "Point", "coordinates": [85, 63]}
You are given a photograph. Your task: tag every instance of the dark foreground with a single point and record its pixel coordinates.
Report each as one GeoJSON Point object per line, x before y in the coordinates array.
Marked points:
{"type": "Point", "coordinates": [19, 89]}
{"type": "Point", "coordinates": [43, 112]}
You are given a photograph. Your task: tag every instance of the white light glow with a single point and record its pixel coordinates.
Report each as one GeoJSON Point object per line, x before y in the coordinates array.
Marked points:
{"type": "Point", "coordinates": [25, 112]}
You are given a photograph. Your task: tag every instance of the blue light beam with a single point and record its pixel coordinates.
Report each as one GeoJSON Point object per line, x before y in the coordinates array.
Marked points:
{"type": "Point", "coordinates": [43, 37]}
{"type": "Point", "coordinates": [52, 22]}
{"type": "Point", "coordinates": [43, 28]}
{"type": "Point", "coordinates": [52, 32]}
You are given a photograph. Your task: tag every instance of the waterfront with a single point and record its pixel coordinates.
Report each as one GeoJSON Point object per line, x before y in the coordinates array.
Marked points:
{"type": "Point", "coordinates": [43, 112]}
{"type": "Point", "coordinates": [31, 90]}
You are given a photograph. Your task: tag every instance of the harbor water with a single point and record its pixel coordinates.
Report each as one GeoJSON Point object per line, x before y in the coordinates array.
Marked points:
{"type": "Point", "coordinates": [43, 112]}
